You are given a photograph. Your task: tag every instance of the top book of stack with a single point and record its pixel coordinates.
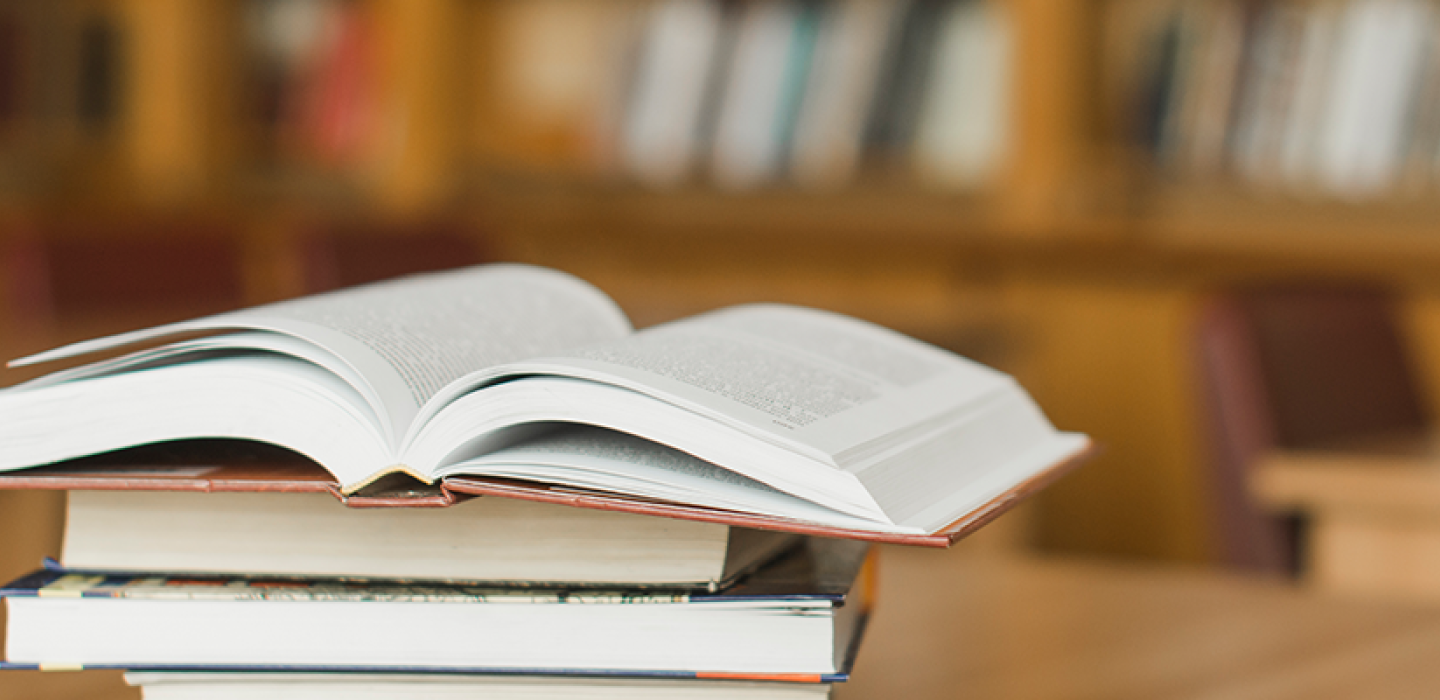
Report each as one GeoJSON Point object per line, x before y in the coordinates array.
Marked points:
{"type": "Point", "coordinates": [524, 382]}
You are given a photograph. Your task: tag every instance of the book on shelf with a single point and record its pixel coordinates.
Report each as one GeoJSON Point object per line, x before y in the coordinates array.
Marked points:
{"type": "Point", "coordinates": [764, 85]}
{"type": "Point", "coordinates": [1379, 53]}
{"type": "Point", "coordinates": [1328, 97]}
{"type": "Point", "coordinates": [905, 67]}
{"type": "Point", "coordinates": [1267, 94]}
{"type": "Point", "coordinates": [830, 127]}
{"type": "Point", "coordinates": [195, 685]}
{"type": "Point", "coordinates": [312, 65]}
{"type": "Point", "coordinates": [1312, 77]}
{"type": "Point", "coordinates": [798, 619]}
{"type": "Point", "coordinates": [748, 95]}
{"type": "Point", "coordinates": [660, 129]}
{"type": "Point", "coordinates": [1418, 171]}
{"type": "Point", "coordinates": [520, 381]}
{"type": "Point", "coordinates": [961, 129]}
{"type": "Point", "coordinates": [479, 540]}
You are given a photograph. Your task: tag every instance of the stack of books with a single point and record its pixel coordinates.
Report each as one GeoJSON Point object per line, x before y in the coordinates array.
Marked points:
{"type": "Point", "coordinates": [566, 601]}
{"type": "Point", "coordinates": [540, 500]}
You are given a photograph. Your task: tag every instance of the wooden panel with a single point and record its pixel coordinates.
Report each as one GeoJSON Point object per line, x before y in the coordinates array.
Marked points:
{"type": "Point", "coordinates": [661, 272]}
{"type": "Point", "coordinates": [345, 256]}
{"type": "Point", "coordinates": [1112, 361]}
{"type": "Point", "coordinates": [1420, 324]}
{"type": "Point", "coordinates": [415, 164]}
{"type": "Point", "coordinates": [1055, 110]}
{"type": "Point", "coordinates": [113, 274]}
{"type": "Point", "coordinates": [104, 277]}
{"type": "Point", "coordinates": [26, 308]}
{"type": "Point", "coordinates": [175, 94]}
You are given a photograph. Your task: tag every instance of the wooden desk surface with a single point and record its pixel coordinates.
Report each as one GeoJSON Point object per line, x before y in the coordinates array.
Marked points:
{"type": "Point", "coordinates": [948, 625]}
{"type": "Point", "coordinates": [1385, 474]}
{"type": "Point", "coordinates": [1373, 513]}
{"type": "Point", "coordinates": [952, 624]}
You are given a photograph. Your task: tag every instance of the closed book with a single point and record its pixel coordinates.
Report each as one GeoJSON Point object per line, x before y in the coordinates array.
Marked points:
{"type": "Point", "coordinates": [1315, 64]}
{"type": "Point", "coordinates": [796, 619]}
{"type": "Point", "coordinates": [830, 127]}
{"type": "Point", "coordinates": [905, 69]}
{"type": "Point", "coordinates": [964, 125]}
{"type": "Point", "coordinates": [1379, 55]}
{"type": "Point", "coordinates": [428, 686]}
{"type": "Point", "coordinates": [1212, 83]}
{"type": "Point", "coordinates": [767, 72]}
{"type": "Point", "coordinates": [482, 539]}
{"type": "Point", "coordinates": [1268, 94]}
{"type": "Point", "coordinates": [661, 129]}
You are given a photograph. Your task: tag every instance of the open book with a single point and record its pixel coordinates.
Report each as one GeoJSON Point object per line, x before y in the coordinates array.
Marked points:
{"type": "Point", "coordinates": [513, 372]}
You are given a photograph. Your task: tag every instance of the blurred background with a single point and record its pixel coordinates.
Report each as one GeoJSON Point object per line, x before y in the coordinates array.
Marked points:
{"type": "Point", "coordinates": [1147, 211]}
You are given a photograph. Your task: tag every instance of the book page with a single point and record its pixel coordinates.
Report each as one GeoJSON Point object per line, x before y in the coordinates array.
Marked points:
{"type": "Point", "coordinates": [410, 336]}
{"type": "Point", "coordinates": [267, 398]}
{"type": "Point", "coordinates": [605, 460]}
{"type": "Point", "coordinates": [833, 388]}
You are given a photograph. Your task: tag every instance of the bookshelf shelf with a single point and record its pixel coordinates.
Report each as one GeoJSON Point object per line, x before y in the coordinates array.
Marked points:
{"type": "Point", "coordinates": [1393, 239]}
{"type": "Point", "coordinates": [857, 215]}
{"type": "Point", "coordinates": [1218, 228]}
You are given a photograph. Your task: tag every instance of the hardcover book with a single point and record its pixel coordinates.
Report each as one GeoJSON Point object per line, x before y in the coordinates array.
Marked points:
{"type": "Point", "coordinates": [428, 686]}
{"type": "Point", "coordinates": [494, 540]}
{"type": "Point", "coordinates": [495, 379]}
{"type": "Point", "coordinates": [797, 619]}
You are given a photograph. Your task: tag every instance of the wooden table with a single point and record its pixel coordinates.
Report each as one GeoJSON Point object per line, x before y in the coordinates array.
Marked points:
{"type": "Point", "coordinates": [1373, 511]}
{"type": "Point", "coordinates": [949, 625]}
{"type": "Point", "coordinates": [955, 624]}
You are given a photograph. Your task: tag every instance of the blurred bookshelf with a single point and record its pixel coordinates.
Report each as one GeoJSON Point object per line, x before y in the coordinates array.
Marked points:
{"type": "Point", "coordinates": [1048, 185]}
{"type": "Point", "coordinates": [1281, 129]}
{"type": "Point", "coordinates": [1079, 119]}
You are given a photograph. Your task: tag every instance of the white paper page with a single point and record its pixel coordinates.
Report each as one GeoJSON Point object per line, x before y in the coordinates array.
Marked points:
{"type": "Point", "coordinates": [830, 387]}
{"type": "Point", "coordinates": [226, 344]}
{"type": "Point", "coordinates": [476, 423]}
{"type": "Point", "coordinates": [411, 336]}
{"type": "Point", "coordinates": [608, 460]}
{"type": "Point", "coordinates": [271, 399]}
